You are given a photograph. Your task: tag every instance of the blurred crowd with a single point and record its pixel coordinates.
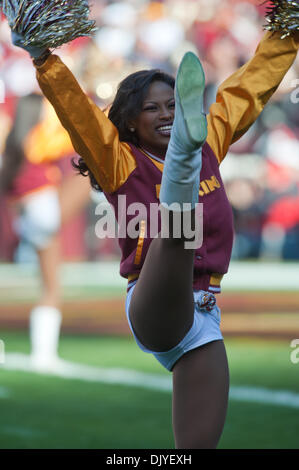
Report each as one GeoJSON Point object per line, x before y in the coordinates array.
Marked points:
{"type": "Point", "coordinates": [261, 172]}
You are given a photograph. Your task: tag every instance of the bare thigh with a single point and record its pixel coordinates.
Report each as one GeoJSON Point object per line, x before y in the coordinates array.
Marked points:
{"type": "Point", "coordinates": [162, 305]}
{"type": "Point", "coordinates": [200, 396]}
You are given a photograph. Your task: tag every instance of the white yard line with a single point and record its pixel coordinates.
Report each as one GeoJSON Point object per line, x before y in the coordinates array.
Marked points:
{"type": "Point", "coordinates": [127, 377]}
{"type": "Point", "coordinates": [265, 396]}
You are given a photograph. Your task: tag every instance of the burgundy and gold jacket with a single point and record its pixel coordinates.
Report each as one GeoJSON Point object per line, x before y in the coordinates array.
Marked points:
{"type": "Point", "coordinates": [122, 169]}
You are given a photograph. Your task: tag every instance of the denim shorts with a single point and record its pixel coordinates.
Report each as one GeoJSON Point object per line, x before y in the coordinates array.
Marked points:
{"type": "Point", "coordinates": [205, 328]}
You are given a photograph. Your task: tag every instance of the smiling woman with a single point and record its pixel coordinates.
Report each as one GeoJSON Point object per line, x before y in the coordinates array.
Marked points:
{"type": "Point", "coordinates": [142, 101]}
{"type": "Point", "coordinates": [151, 124]}
{"type": "Point", "coordinates": [154, 123]}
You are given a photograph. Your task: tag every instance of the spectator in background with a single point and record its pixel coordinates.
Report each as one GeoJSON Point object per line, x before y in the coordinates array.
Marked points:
{"type": "Point", "coordinates": [30, 181]}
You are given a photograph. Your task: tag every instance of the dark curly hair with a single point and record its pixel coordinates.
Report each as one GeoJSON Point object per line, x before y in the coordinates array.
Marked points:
{"type": "Point", "coordinates": [125, 108]}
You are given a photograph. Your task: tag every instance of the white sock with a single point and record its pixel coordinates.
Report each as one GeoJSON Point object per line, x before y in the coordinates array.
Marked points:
{"type": "Point", "coordinates": [183, 160]}
{"type": "Point", "coordinates": [45, 324]}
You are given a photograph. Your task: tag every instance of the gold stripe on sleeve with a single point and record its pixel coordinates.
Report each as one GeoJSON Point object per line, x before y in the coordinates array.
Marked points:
{"type": "Point", "coordinates": [140, 242]}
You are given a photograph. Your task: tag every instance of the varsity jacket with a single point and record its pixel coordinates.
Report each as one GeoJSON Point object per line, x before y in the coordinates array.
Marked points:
{"type": "Point", "coordinates": [121, 169]}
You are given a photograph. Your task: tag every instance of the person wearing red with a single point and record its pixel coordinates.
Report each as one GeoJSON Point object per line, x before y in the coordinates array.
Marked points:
{"type": "Point", "coordinates": [44, 198]}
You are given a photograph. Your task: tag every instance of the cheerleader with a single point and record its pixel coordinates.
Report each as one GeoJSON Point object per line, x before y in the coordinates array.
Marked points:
{"type": "Point", "coordinates": [36, 185]}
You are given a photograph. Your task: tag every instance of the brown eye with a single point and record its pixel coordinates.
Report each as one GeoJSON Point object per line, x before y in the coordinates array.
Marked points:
{"type": "Point", "coordinates": [149, 108]}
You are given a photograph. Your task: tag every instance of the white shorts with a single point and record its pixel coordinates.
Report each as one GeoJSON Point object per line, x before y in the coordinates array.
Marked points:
{"type": "Point", "coordinates": [40, 217]}
{"type": "Point", "coordinates": [205, 328]}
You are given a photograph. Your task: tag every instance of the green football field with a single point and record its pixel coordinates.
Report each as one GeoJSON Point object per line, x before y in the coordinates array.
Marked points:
{"type": "Point", "coordinates": [89, 411]}
{"type": "Point", "coordinates": [106, 394]}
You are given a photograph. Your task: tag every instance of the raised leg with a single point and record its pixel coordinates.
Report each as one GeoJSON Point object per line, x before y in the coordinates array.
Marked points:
{"type": "Point", "coordinates": [162, 309]}
{"type": "Point", "coordinates": [162, 306]}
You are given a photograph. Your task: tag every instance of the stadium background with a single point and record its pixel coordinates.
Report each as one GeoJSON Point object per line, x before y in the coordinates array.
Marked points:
{"type": "Point", "coordinates": [260, 299]}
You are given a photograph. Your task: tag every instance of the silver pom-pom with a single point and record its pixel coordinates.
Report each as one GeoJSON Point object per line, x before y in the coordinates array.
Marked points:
{"type": "Point", "coordinates": [283, 16]}
{"type": "Point", "coordinates": [47, 24]}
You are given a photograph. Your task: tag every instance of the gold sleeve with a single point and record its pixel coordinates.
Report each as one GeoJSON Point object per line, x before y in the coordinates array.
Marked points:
{"type": "Point", "coordinates": [241, 98]}
{"type": "Point", "coordinates": [93, 135]}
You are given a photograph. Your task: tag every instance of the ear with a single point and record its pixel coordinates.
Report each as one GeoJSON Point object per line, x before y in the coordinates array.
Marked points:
{"type": "Point", "coordinates": [132, 126]}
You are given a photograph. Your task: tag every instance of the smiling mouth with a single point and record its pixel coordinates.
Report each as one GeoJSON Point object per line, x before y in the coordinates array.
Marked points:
{"type": "Point", "coordinates": [164, 130]}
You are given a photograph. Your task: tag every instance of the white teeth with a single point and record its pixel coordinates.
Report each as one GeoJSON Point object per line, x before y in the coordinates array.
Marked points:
{"type": "Point", "coordinates": [164, 128]}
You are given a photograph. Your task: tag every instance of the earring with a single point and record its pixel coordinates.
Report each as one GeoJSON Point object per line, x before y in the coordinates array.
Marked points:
{"type": "Point", "coordinates": [132, 129]}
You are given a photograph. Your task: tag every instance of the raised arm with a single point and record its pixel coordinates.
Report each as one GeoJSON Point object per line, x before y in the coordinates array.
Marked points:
{"type": "Point", "coordinates": [241, 98]}
{"type": "Point", "coordinates": [93, 135]}
{"type": "Point", "coordinates": [40, 26]}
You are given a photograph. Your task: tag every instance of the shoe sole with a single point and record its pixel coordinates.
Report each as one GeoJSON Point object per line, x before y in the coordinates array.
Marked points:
{"type": "Point", "coordinates": [190, 86]}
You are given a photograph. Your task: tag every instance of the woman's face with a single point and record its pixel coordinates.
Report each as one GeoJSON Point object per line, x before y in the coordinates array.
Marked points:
{"type": "Point", "coordinates": [154, 123]}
